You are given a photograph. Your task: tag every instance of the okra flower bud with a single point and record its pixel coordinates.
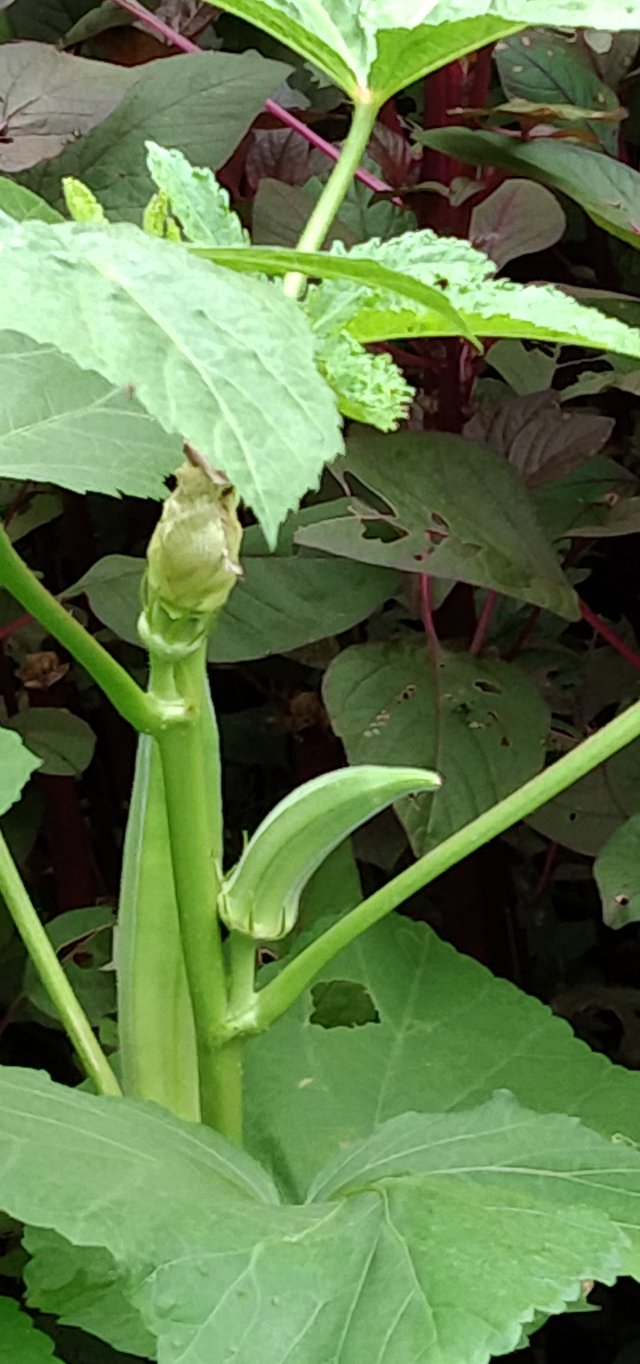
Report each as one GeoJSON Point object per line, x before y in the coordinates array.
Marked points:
{"type": "Point", "coordinates": [192, 563]}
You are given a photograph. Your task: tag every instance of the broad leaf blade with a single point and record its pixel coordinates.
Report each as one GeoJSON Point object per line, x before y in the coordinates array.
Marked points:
{"type": "Point", "coordinates": [22, 204]}
{"type": "Point", "coordinates": [63, 425]}
{"type": "Point", "coordinates": [16, 766]}
{"type": "Point", "coordinates": [203, 105]}
{"type": "Point", "coordinates": [195, 343]}
{"type": "Point", "coordinates": [449, 1034]}
{"type": "Point", "coordinates": [482, 726]}
{"type": "Point", "coordinates": [617, 875]}
{"type": "Point", "coordinates": [472, 518]}
{"type": "Point", "coordinates": [607, 189]}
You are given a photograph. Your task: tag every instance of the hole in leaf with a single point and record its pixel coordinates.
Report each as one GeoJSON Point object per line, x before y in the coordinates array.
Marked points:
{"type": "Point", "coordinates": [342, 1004]}
{"type": "Point", "coordinates": [491, 687]}
{"type": "Point", "coordinates": [382, 530]}
{"type": "Point", "coordinates": [366, 495]}
{"type": "Point", "coordinates": [573, 817]}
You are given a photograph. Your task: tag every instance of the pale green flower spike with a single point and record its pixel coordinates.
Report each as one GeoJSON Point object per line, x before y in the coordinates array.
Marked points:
{"type": "Point", "coordinates": [192, 563]}
{"type": "Point", "coordinates": [261, 896]}
{"type": "Point", "coordinates": [81, 204]}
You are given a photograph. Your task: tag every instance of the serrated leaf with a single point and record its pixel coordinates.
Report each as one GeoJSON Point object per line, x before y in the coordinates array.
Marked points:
{"type": "Point", "coordinates": [472, 518]}
{"type": "Point", "coordinates": [63, 742]}
{"type": "Point", "coordinates": [199, 1244]}
{"type": "Point", "coordinates": [261, 895]}
{"type": "Point", "coordinates": [448, 1034]}
{"type": "Point", "coordinates": [60, 424]}
{"type": "Point", "coordinates": [608, 190]}
{"type": "Point", "coordinates": [617, 875]}
{"type": "Point", "coordinates": [465, 276]}
{"type": "Point", "coordinates": [369, 387]}
{"type": "Point", "coordinates": [20, 1341]}
{"type": "Point", "coordinates": [482, 726]}
{"type": "Point", "coordinates": [17, 764]}
{"type": "Point", "coordinates": [194, 342]}
{"type": "Point", "coordinates": [202, 104]}
{"type": "Point", "coordinates": [200, 204]}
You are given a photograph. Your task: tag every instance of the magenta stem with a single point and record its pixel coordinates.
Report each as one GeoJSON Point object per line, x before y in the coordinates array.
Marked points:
{"type": "Point", "coordinates": [170, 35]}
{"type": "Point", "coordinates": [607, 633]}
{"type": "Point", "coordinates": [483, 623]}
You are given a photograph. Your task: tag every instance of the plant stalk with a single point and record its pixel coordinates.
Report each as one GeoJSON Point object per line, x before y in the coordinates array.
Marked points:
{"type": "Point", "coordinates": [281, 993]}
{"type": "Point", "coordinates": [134, 704]}
{"type": "Point", "coordinates": [51, 973]}
{"type": "Point", "coordinates": [191, 771]}
{"type": "Point", "coordinates": [326, 209]}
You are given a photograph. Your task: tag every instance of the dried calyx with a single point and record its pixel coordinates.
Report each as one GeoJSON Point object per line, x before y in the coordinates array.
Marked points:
{"type": "Point", "coordinates": [192, 563]}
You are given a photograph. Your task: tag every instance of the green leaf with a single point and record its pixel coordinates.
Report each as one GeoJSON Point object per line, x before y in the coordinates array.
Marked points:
{"type": "Point", "coordinates": [63, 742]}
{"type": "Point", "coordinates": [445, 505]}
{"type": "Point", "coordinates": [202, 105]}
{"type": "Point", "coordinates": [261, 895]}
{"type": "Point", "coordinates": [200, 1246]}
{"type": "Point", "coordinates": [60, 424]}
{"type": "Point", "coordinates": [464, 276]}
{"type": "Point", "coordinates": [370, 273]}
{"type": "Point", "coordinates": [449, 1034]}
{"type": "Point", "coordinates": [194, 342]}
{"type": "Point", "coordinates": [83, 938]}
{"type": "Point", "coordinates": [20, 1342]}
{"type": "Point", "coordinates": [200, 204]}
{"type": "Point", "coordinates": [16, 766]}
{"type": "Point", "coordinates": [369, 387]}
{"type": "Point", "coordinates": [283, 601]}
{"type": "Point", "coordinates": [617, 875]}
{"type": "Point", "coordinates": [482, 726]}
{"type": "Point", "coordinates": [22, 204]}
{"type": "Point", "coordinates": [607, 189]}
{"type": "Point", "coordinates": [548, 68]}
{"type": "Point", "coordinates": [586, 816]}
{"type": "Point", "coordinates": [50, 98]}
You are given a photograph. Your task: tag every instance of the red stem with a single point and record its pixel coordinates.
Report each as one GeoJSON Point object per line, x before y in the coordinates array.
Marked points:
{"type": "Point", "coordinates": [483, 623]}
{"type": "Point", "coordinates": [178, 40]}
{"type": "Point", "coordinates": [607, 633]}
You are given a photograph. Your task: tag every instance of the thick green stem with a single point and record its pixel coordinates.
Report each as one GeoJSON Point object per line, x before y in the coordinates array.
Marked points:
{"type": "Point", "coordinates": [337, 186]}
{"type": "Point", "coordinates": [190, 767]}
{"type": "Point", "coordinates": [124, 693]}
{"type": "Point", "coordinates": [225, 1090]}
{"type": "Point", "coordinates": [42, 954]}
{"type": "Point", "coordinates": [281, 993]}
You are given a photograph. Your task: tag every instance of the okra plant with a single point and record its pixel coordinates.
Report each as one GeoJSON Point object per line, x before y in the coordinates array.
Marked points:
{"type": "Point", "coordinates": [234, 1182]}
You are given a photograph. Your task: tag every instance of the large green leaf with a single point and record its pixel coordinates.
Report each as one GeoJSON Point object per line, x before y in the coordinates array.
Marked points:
{"type": "Point", "coordinates": [344, 38]}
{"type": "Point", "coordinates": [607, 189]}
{"type": "Point", "coordinates": [60, 424]}
{"type": "Point", "coordinates": [63, 742]}
{"type": "Point", "coordinates": [228, 364]}
{"type": "Point", "coordinates": [617, 875]}
{"type": "Point", "coordinates": [482, 726]}
{"type": "Point", "coordinates": [203, 105]}
{"type": "Point", "coordinates": [444, 505]}
{"type": "Point", "coordinates": [282, 602]}
{"type": "Point", "coordinates": [21, 203]}
{"type": "Point", "coordinates": [439, 1239]}
{"type": "Point", "coordinates": [489, 306]}
{"type": "Point", "coordinates": [20, 1342]}
{"type": "Point", "coordinates": [448, 1035]}
{"type": "Point", "coordinates": [16, 766]}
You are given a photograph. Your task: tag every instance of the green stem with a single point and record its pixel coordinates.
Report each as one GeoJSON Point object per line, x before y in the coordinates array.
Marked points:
{"type": "Point", "coordinates": [129, 699]}
{"type": "Point", "coordinates": [195, 854]}
{"type": "Point", "coordinates": [337, 186]}
{"type": "Point", "coordinates": [226, 1090]}
{"type": "Point", "coordinates": [241, 952]}
{"type": "Point", "coordinates": [281, 993]}
{"type": "Point", "coordinates": [51, 973]}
